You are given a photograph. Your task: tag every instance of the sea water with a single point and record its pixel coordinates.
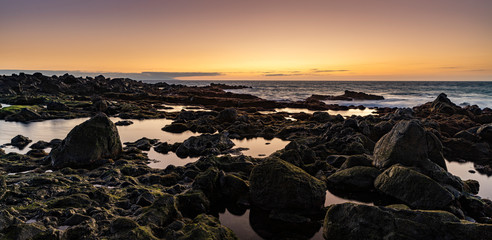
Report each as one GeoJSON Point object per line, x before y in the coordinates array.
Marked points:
{"type": "Point", "coordinates": [396, 93]}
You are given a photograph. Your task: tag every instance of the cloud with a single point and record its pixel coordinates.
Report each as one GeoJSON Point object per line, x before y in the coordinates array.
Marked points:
{"type": "Point", "coordinates": [449, 67]}
{"type": "Point", "coordinates": [281, 74]}
{"type": "Point", "coordinates": [328, 70]}
{"type": "Point", "coordinates": [136, 76]}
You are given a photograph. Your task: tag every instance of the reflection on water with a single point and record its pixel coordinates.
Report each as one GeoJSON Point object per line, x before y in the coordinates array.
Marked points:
{"type": "Point", "coordinates": [179, 108]}
{"type": "Point", "coordinates": [239, 224]}
{"type": "Point", "coordinates": [462, 170]}
{"type": "Point", "coordinates": [161, 161]}
{"type": "Point", "coordinates": [344, 113]}
{"type": "Point", "coordinates": [258, 225]}
{"type": "Point", "coordinates": [260, 147]}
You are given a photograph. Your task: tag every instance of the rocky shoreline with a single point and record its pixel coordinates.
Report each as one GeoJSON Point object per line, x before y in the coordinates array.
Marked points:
{"type": "Point", "coordinates": [92, 186]}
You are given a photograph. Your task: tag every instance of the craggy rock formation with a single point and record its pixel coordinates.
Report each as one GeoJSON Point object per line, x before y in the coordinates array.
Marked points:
{"type": "Point", "coordinates": [276, 184]}
{"type": "Point", "coordinates": [353, 221]}
{"type": "Point", "coordinates": [413, 188]}
{"type": "Point", "coordinates": [408, 144]}
{"type": "Point", "coordinates": [87, 144]}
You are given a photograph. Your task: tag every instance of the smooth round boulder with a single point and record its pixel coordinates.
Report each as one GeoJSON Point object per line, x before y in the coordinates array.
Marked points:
{"type": "Point", "coordinates": [413, 188]}
{"type": "Point", "coordinates": [87, 144]}
{"type": "Point", "coordinates": [408, 144]}
{"type": "Point", "coordinates": [277, 184]}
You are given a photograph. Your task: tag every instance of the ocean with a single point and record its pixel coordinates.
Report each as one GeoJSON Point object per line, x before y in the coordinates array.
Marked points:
{"type": "Point", "coordinates": [396, 93]}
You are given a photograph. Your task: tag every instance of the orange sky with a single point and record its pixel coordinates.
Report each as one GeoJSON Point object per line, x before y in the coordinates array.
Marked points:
{"type": "Point", "coordinates": [268, 39]}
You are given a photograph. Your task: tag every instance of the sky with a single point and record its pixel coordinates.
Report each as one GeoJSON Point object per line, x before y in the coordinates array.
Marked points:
{"type": "Point", "coordinates": [250, 40]}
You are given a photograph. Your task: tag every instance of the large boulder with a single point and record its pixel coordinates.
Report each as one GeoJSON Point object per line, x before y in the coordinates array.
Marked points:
{"type": "Point", "coordinates": [277, 184]}
{"type": "Point", "coordinates": [353, 221]}
{"type": "Point", "coordinates": [413, 188]}
{"type": "Point", "coordinates": [204, 144]}
{"type": "Point", "coordinates": [359, 178]}
{"type": "Point", "coordinates": [87, 144]}
{"type": "Point", "coordinates": [408, 144]}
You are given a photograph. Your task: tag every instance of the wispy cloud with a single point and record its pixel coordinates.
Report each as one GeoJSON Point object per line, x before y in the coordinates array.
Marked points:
{"type": "Point", "coordinates": [281, 74]}
{"type": "Point", "coordinates": [328, 70]}
{"type": "Point", "coordinates": [449, 67]}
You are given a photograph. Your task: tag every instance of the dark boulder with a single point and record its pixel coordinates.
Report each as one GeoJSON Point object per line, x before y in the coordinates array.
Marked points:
{"type": "Point", "coordinates": [40, 145]}
{"type": "Point", "coordinates": [204, 144]}
{"type": "Point", "coordinates": [162, 212]}
{"type": "Point", "coordinates": [123, 123]}
{"type": "Point", "coordinates": [227, 115]}
{"type": "Point", "coordinates": [87, 144]}
{"type": "Point", "coordinates": [175, 127]}
{"type": "Point", "coordinates": [471, 186]}
{"type": "Point", "coordinates": [408, 144]}
{"type": "Point", "coordinates": [143, 143]}
{"type": "Point", "coordinates": [413, 188]}
{"type": "Point", "coordinates": [276, 184]}
{"type": "Point", "coordinates": [20, 141]}
{"type": "Point", "coordinates": [359, 178]}
{"type": "Point", "coordinates": [162, 147]}
{"type": "Point", "coordinates": [353, 221]}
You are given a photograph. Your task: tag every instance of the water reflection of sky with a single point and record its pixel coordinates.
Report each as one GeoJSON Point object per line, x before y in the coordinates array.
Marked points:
{"type": "Point", "coordinates": [344, 113]}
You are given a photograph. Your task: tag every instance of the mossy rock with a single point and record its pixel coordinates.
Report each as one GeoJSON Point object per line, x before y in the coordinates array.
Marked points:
{"type": "Point", "coordinates": [277, 184]}
{"type": "Point", "coordinates": [413, 188]}
{"type": "Point", "coordinates": [126, 228]}
{"type": "Point", "coordinates": [192, 203]}
{"type": "Point", "coordinates": [206, 227]}
{"type": "Point", "coordinates": [354, 221]}
{"type": "Point", "coordinates": [25, 232]}
{"type": "Point", "coordinates": [162, 212]}
{"type": "Point", "coordinates": [208, 182]}
{"type": "Point", "coordinates": [78, 200]}
{"type": "Point", "coordinates": [233, 187]}
{"type": "Point", "coordinates": [87, 144]}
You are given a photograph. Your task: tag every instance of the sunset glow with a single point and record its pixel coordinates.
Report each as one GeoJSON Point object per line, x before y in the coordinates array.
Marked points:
{"type": "Point", "coordinates": [270, 40]}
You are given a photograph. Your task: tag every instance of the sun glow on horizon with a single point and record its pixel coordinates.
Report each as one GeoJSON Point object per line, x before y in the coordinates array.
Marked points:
{"type": "Point", "coordinates": [257, 40]}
